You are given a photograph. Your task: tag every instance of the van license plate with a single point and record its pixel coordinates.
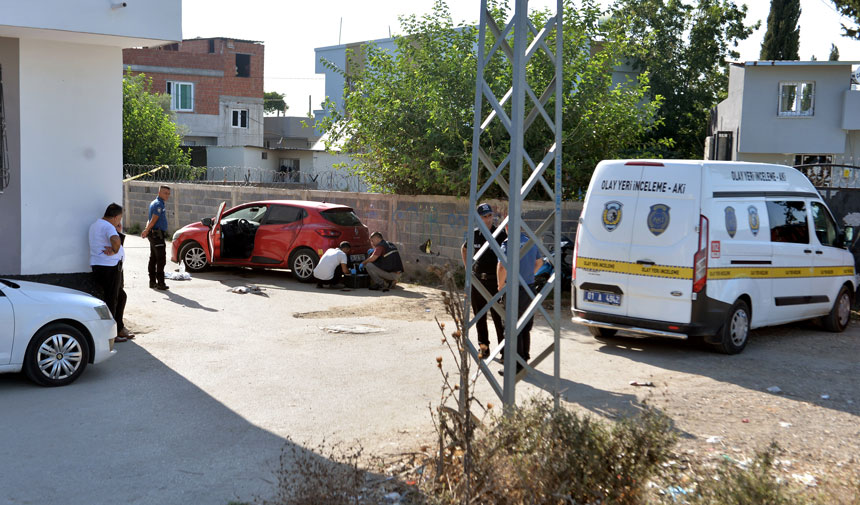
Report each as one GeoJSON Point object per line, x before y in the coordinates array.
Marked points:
{"type": "Point", "coordinates": [356, 257]}
{"type": "Point", "coordinates": [602, 297]}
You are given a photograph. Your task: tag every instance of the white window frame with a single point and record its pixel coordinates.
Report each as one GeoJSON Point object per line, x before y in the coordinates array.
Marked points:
{"type": "Point", "coordinates": [798, 98]}
{"type": "Point", "coordinates": [175, 97]}
{"type": "Point", "coordinates": [233, 116]}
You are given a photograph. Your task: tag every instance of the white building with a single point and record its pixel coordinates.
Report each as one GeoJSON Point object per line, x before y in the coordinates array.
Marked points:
{"type": "Point", "coordinates": [61, 63]}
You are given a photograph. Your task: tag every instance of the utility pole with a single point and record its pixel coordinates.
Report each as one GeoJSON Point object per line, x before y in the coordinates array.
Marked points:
{"type": "Point", "coordinates": [527, 41]}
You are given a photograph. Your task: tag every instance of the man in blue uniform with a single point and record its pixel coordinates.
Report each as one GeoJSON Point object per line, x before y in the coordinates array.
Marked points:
{"type": "Point", "coordinates": [156, 232]}
{"type": "Point", "coordinates": [530, 263]}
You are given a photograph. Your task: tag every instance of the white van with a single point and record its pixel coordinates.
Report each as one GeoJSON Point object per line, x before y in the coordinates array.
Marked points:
{"type": "Point", "coordinates": [707, 249]}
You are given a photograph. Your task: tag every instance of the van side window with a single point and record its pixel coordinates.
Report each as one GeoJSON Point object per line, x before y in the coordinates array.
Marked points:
{"type": "Point", "coordinates": [788, 222]}
{"type": "Point", "coordinates": [825, 227]}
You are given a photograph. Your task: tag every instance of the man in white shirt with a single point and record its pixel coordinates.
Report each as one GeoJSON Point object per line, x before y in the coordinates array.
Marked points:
{"type": "Point", "coordinates": [332, 266]}
{"type": "Point", "coordinates": [106, 255]}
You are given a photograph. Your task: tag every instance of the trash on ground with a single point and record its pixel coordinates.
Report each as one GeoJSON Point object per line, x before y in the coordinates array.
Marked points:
{"type": "Point", "coordinates": [358, 329]}
{"type": "Point", "coordinates": [774, 390]}
{"type": "Point", "coordinates": [250, 288]}
{"type": "Point", "coordinates": [641, 383]}
{"type": "Point", "coordinates": [784, 424]}
{"type": "Point", "coordinates": [806, 479]}
{"type": "Point", "coordinates": [825, 397]}
{"type": "Point", "coordinates": [392, 496]}
{"type": "Point", "coordinates": [745, 420]}
{"type": "Point", "coordinates": [714, 440]}
{"type": "Point", "coordinates": [177, 276]}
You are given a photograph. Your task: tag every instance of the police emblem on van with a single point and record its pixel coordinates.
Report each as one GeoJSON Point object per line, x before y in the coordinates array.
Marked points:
{"type": "Point", "coordinates": [731, 221]}
{"type": "Point", "coordinates": [754, 221]}
{"type": "Point", "coordinates": [658, 218]}
{"type": "Point", "coordinates": [612, 215]}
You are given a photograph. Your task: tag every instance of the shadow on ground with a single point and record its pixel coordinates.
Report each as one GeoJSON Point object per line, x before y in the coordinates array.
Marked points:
{"type": "Point", "coordinates": [131, 431]}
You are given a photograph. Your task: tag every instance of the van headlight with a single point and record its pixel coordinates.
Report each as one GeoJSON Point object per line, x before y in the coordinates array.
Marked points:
{"type": "Point", "coordinates": [176, 235]}
{"type": "Point", "coordinates": [104, 312]}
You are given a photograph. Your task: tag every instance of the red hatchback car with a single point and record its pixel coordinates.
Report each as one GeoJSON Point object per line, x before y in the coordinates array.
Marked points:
{"type": "Point", "coordinates": [271, 234]}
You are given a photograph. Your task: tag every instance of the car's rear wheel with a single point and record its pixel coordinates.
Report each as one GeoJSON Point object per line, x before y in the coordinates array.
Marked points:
{"type": "Point", "coordinates": [302, 263]}
{"type": "Point", "coordinates": [602, 333]}
{"type": "Point", "coordinates": [733, 336]}
{"type": "Point", "coordinates": [56, 356]}
{"type": "Point", "coordinates": [194, 257]}
{"type": "Point", "coordinates": [840, 314]}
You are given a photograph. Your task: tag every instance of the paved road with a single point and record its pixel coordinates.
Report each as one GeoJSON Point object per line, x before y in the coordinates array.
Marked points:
{"type": "Point", "coordinates": [198, 408]}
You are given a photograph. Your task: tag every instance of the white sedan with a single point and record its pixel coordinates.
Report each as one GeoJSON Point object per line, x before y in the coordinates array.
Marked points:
{"type": "Point", "coordinates": [52, 333]}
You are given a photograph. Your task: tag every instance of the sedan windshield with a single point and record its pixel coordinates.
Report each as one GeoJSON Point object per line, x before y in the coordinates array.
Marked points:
{"type": "Point", "coordinates": [341, 217]}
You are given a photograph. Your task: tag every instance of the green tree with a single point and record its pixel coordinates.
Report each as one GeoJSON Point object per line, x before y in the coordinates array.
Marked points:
{"type": "Point", "coordinates": [834, 53]}
{"type": "Point", "coordinates": [149, 135]}
{"type": "Point", "coordinates": [782, 38]}
{"type": "Point", "coordinates": [688, 47]}
{"type": "Point", "coordinates": [408, 116]}
{"type": "Point", "coordinates": [274, 102]}
{"type": "Point", "coordinates": [849, 9]}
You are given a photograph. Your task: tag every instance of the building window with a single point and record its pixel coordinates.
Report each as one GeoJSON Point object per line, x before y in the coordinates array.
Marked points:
{"type": "Point", "coordinates": [265, 155]}
{"type": "Point", "coordinates": [181, 95]}
{"type": "Point", "coordinates": [211, 45]}
{"type": "Point", "coordinates": [813, 159]}
{"type": "Point", "coordinates": [240, 118]}
{"type": "Point", "coordinates": [796, 99]}
{"type": "Point", "coordinates": [243, 65]}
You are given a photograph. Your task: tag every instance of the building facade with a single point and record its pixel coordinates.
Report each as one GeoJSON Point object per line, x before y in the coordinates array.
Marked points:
{"type": "Point", "coordinates": [788, 112]}
{"type": "Point", "coordinates": [61, 65]}
{"type": "Point", "coordinates": [215, 85]}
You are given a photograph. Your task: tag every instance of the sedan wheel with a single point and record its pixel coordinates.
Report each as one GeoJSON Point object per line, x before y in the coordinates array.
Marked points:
{"type": "Point", "coordinates": [56, 356]}
{"type": "Point", "coordinates": [194, 257]}
{"type": "Point", "coordinates": [303, 263]}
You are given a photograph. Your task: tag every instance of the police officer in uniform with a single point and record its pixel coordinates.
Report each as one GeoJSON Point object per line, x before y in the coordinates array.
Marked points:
{"type": "Point", "coordinates": [156, 232]}
{"type": "Point", "coordinates": [485, 271]}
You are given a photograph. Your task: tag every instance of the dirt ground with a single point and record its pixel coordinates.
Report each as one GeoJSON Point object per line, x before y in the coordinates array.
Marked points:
{"type": "Point", "coordinates": [294, 365]}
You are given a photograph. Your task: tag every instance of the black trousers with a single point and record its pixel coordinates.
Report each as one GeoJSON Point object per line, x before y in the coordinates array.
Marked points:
{"type": "Point", "coordinates": [478, 303]}
{"type": "Point", "coordinates": [110, 280]}
{"type": "Point", "coordinates": [524, 340]}
{"type": "Point", "coordinates": [157, 257]}
{"type": "Point", "coordinates": [338, 277]}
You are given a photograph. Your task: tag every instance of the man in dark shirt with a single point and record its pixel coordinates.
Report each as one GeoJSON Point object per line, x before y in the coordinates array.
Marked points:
{"type": "Point", "coordinates": [485, 271]}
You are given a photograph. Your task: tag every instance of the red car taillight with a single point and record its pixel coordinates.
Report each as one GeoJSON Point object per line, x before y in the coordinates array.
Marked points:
{"type": "Point", "coordinates": [700, 259]}
{"type": "Point", "coordinates": [573, 260]}
{"type": "Point", "coordinates": [328, 233]}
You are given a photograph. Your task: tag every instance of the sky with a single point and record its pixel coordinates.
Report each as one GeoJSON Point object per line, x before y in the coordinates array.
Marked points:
{"type": "Point", "coordinates": [291, 29]}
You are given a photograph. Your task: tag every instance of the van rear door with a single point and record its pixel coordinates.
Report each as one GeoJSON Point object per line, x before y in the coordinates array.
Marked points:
{"type": "Point", "coordinates": [664, 241]}
{"type": "Point", "coordinates": [603, 236]}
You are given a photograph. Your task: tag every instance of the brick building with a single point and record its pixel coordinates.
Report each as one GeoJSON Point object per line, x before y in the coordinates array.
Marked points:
{"type": "Point", "coordinates": [216, 87]}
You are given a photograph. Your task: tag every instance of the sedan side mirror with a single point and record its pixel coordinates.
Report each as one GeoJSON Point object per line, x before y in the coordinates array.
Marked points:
{"type": "Point", "coordinates": [207, 222]}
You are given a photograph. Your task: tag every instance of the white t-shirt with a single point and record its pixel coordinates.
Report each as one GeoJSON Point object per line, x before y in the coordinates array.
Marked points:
{"type": "Point", "coordinates": [100, 233]}
{"type": "Point", "coordinates": [332, 259]}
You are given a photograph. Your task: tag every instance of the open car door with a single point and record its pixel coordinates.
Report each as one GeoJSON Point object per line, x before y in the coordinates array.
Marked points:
{"type": "Point", "coordinates": [215, 235]}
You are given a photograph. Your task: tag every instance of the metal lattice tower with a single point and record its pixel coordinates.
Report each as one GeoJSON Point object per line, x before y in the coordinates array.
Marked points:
{"type": "Point", "coordinates": [518, 162]}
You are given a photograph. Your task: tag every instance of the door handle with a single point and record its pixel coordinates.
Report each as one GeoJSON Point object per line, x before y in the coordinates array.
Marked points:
{"type": "Point", "coordinates": [807, 251]}
{"type": "Point", "coordinates": [819, 252]}
{"type": "Point", "coordinates": [645, 262]}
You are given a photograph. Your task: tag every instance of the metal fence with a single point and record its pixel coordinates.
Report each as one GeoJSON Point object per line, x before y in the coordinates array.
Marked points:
{"type": "Point", "coordinates": [330, 180]}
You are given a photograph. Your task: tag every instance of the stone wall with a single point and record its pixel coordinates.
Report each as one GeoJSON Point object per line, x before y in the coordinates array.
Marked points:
{"type": "Point", "coordinates": [409, 221]}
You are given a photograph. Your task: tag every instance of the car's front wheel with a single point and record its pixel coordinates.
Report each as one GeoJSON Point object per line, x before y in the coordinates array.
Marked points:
{"type": "Point", "coordinates": [56, 356]}
{"type": "Point", "coordinates": [302, 263]}
{"type": "Point", "coordinates": [194, 257]}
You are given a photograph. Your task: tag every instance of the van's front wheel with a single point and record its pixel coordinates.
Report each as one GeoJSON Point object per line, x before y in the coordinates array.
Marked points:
{"type": "Point", "coordinates": [840, 314]}
{"type": "Point", "coordinates": [601, 333]}
{"type": "Point", "coordinates": [733, 336]}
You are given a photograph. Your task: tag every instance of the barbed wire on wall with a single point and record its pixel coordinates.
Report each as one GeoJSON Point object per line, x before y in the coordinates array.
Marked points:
{"type": "Point", "coordinates": [327, 180]}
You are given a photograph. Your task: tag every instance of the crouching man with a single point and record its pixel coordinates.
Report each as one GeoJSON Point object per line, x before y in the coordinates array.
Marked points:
{"type": "Point", "coordinates": [384, 265]}
{"type": "Point", "coordinates": [332, 266]}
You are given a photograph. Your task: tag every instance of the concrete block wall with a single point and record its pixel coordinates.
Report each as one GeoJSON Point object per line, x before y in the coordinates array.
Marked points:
{"type": "Point", "coordinates": [408, 221]}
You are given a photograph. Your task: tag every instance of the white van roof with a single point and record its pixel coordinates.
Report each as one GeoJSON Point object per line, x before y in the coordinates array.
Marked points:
{"type": "Point", "coordinates": [728, 178]}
